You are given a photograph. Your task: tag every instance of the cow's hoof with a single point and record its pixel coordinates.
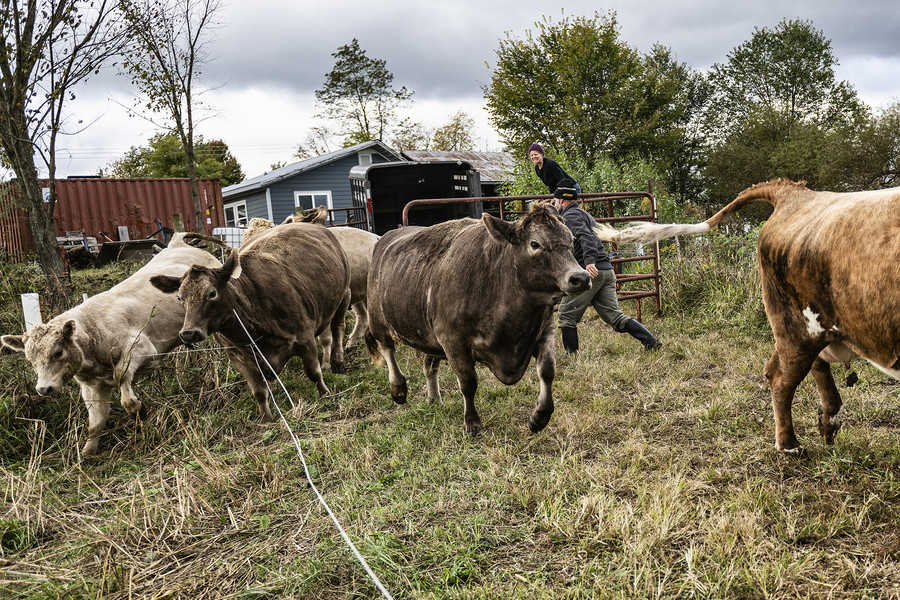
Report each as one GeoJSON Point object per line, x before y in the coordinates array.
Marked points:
{"type": "Point", "coordinates": [338, 368]}
{"type": "Point", "coordinates": [399, 398]}
{"type": "Point", "coordinates": [535, 426]}
{"type": "Point", "coordinates": [142, 413]}
{"type": "Point", "coordinates": [474, 429]}
{"type": "Point", "coordinates": [796, 451]}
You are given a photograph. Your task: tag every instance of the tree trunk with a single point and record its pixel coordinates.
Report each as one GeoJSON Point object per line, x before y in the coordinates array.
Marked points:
{"type": "Point", "coordinates": [59, 284]}
{"type": "Point", "coordinates": [195, 189]}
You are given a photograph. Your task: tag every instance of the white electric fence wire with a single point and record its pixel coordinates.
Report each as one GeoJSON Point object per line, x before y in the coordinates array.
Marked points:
{"type": "Point", "coordinates": [257, 353]}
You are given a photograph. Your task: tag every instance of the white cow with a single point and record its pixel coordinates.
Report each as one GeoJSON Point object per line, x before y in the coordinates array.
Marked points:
{"type": "Point", "coordinates": [103, 342]}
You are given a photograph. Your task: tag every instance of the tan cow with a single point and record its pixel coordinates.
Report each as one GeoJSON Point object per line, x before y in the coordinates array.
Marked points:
{"type": "Point", "coordinates": [831, 287]}
{"type": "Point", "coordinates": [110, 338]}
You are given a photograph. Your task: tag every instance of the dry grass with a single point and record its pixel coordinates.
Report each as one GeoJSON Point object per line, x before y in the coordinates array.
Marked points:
{"type": "Point", "coordinates": [656, 478]}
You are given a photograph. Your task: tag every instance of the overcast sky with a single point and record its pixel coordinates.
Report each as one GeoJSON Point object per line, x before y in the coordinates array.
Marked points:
{"type": "Point", "coordinates": [269, 57]}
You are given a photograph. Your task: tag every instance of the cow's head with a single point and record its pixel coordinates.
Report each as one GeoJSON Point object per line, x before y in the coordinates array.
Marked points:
{"type": "Point", "coordinates": [203, 293]}
{"type": "Point", "coordinates": [53, 352]}
{"type": "Point", "coordinates": [542, 247]}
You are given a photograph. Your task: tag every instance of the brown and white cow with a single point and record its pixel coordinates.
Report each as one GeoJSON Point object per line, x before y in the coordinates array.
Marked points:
{"type": "Point", "coordinates": [831, 287]}
{"type": "Point", "coordinates": [469, 292]}
{"type": "Point", "coordinates": [358, 245]}
{"type": "Point", "coordinates": [107, 340]}
{"type": "Point", "coordinates": [288, 285]}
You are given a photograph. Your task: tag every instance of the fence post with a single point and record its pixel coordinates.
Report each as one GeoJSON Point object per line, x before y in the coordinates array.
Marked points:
{"type": "Point", "coordinates": [31, 307]}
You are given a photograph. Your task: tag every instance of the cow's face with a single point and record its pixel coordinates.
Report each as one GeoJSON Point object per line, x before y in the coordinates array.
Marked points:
{"type": "Point", "coordinates": [542, 248]}
{"type": "Point", "coordinates": [53, 352]}
{"type": "Point", "coordinates": [201, 291]}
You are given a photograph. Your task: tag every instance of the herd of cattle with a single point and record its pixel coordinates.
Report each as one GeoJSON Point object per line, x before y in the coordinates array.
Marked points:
{"type": "Point", "coordinates": [468, 292]}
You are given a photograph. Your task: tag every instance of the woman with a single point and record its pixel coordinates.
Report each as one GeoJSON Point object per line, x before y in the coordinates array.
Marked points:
{"type": "Point", "coordinates": [547, 169]}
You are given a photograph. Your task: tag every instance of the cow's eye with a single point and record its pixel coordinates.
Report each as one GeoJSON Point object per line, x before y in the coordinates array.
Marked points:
{"type": "Point", "coordinates": [212, 295]}
{"type": "Point", "coordinates": [58, 354]}
{"type": "Point", "coordinates": [535, 246]}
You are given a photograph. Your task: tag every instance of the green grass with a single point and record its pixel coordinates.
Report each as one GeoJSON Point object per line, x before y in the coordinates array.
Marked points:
{"type": "Point", "coordinates": [656, 477]}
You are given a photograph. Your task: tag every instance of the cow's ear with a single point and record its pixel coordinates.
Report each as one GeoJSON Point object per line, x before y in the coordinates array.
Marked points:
{"type": "Point", "coordinates": [232, 266]}
{"type": "Point", "coordinates": [68, 330]}
{"type": "Point", "coordinates": [166, 283]}
{"type": "Point", "coordinates": [16, 343]}
{"type": "Point", "coordinates": [500, 230]}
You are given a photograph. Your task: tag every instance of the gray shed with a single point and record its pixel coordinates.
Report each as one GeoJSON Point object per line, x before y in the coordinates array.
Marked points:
{"type": "Point", "coordinates": [320, 180]}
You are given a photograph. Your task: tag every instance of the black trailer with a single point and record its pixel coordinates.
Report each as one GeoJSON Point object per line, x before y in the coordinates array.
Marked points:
{"type": "Point", "coordinates": [381, 190]}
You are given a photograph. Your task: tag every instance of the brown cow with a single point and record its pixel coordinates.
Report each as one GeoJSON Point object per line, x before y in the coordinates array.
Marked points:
{"type": "Point", "coordinates": [108, 340]}
{"type": "Point", "coordinates": [357, 244]}
{"type": "Point", "coordinates": [471, 292]}
{"type": "Point", "coordinates": [288, 285]}
{"type": "Point", "coordinates": [831, 287]}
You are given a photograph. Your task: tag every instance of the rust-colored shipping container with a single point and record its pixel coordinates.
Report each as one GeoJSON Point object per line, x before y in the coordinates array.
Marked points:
{"type": "Point", "coordinates": [100, 206]}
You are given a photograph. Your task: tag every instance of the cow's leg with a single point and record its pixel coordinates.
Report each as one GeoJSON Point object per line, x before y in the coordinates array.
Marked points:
{"type": "Point", "coordinates": [784, 375]}
{"type": "Point", "coordinates": [385, 349]}
{"type": "Point", "coordinates": [326, 339]}
{"type": "Point", "coordinates": [96, 398]}
{"type": "Point", "coordinates": [141, 351]}
{"type": "Point", "coordinates": [247, 366]}
{"type": "Point", "coordinates": [306, 350]}
{"type": "Point", "coordinates": [338, 325]}
{"type": "Point", "coordinates": [546, 369]}
{"type": "Point", "coordinates": [361, 314]}
{"type": "Point", "coordinates": [464, 368]}
{"type": "Point", "coordinates": [430, 366]}
{"type": "Point", "coordinates": [829, 400]}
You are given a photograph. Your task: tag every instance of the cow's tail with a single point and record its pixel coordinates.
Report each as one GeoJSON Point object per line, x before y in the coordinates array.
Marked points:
{"type": "Point", "coordinates": [372, 347]}
{"type": "Point", "coordinates": [770, 192]}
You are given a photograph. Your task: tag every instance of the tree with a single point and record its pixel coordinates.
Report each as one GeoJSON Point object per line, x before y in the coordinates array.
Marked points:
{"type": "Point", "coordinates": [49, 47]}
{"type": "Point", "coordinates": [359, 95]}
{"type": "Point", "coordinates": [457, 135]}
{"type": "Point", "coordinates": [409, 135]}
{"type": "Point", "coordinates": [577, 88]}
{"type": "Point", "coordinates": [164, 157]}
{"type": "Point", "coordinates": [778, 111]}
{"type": "Point", "coordinates": [171, 40]}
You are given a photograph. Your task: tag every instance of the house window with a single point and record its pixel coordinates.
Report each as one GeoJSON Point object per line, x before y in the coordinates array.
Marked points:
{"type": "Point", "coordinates": [310, 200]}
{"type": "Point", "coordinates": [236, 214]}
{"type": "Point", "coordinates": [365, 159]}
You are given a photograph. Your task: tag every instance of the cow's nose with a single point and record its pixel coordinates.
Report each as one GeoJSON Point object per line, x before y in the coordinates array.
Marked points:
{"type": "Point", "coordinates": [191, 336]}
{"type": "Point", "coordinates": [46, 390]}
{"type": "Point", "coordinates": [580, 281]}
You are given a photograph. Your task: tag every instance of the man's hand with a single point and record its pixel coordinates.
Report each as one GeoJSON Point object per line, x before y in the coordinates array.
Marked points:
{"type": "Point", "coordinates": [592, 270]}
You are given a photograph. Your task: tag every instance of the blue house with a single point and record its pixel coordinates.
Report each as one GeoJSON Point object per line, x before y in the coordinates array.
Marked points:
{"type": "Point", "coordinates": [320, 180]}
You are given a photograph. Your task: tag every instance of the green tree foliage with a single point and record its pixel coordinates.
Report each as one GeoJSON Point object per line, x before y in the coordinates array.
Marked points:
{"type": "Point", "coordinates": [164, 157]}
{"type": "Point", "coordinates": [358, 94]}
{"type": "Point", "coordinates": [456, 136]}
{"type": "Point", "coordinates": [410, 135]}
{"type": "Point", "coordinates": [48, 48]}
{"type": "Point", "coordinates": [170, 47]}
{"type": "Point", "coordinates": [778, 111]}
{"type": "Point", "coordinates": [576, 87]}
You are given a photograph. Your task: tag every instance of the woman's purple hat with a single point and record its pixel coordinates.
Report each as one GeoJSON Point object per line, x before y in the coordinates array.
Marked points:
{"type": "Point", "coordinates": [536, 146]}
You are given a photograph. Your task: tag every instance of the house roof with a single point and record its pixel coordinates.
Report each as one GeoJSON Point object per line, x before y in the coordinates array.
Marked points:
{"type": "Point", "coordinates": [494, 167]}
{"type": "Point", "coordinates": [294, 169]}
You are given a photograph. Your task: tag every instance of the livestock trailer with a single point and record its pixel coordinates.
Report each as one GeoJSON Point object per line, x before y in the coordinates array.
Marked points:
{"type": "Point", "coordinates": [382, 190]}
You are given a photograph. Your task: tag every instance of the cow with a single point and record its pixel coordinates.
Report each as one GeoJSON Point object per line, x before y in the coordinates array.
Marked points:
{"type": "Point", "coordinates": [286, 286]}
{"type": "Point", "coordinates": [830, 285]}
{"type": "Point", "coordinates": [110, 338]}
{"type": "Point", "coordinates": [358, 245]}
{"type": "Point", "coordinates": [469, 291]}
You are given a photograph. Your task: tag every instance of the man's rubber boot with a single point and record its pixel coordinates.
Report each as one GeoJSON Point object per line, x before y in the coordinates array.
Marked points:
{"type": "Point", "coordinates": [639, 332]}
{"type": "Point", "coordinates": [569, 339]}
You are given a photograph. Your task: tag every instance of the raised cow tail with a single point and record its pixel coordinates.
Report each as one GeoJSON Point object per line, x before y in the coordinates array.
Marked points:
{"type": "Point", "coordinates": [372, 347]}
{"type": "Point", "coordinates": [771, 192]}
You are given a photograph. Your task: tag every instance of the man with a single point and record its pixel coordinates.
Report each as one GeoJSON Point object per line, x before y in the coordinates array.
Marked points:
{"type": "Point", "coordinates": [547, 169]}
{"type": "Point", "coordinates": [590, 254]}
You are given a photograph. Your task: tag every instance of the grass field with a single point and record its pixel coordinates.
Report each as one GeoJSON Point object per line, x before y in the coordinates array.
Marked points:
{"type": "Point", "coordinates": [656, 477]}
